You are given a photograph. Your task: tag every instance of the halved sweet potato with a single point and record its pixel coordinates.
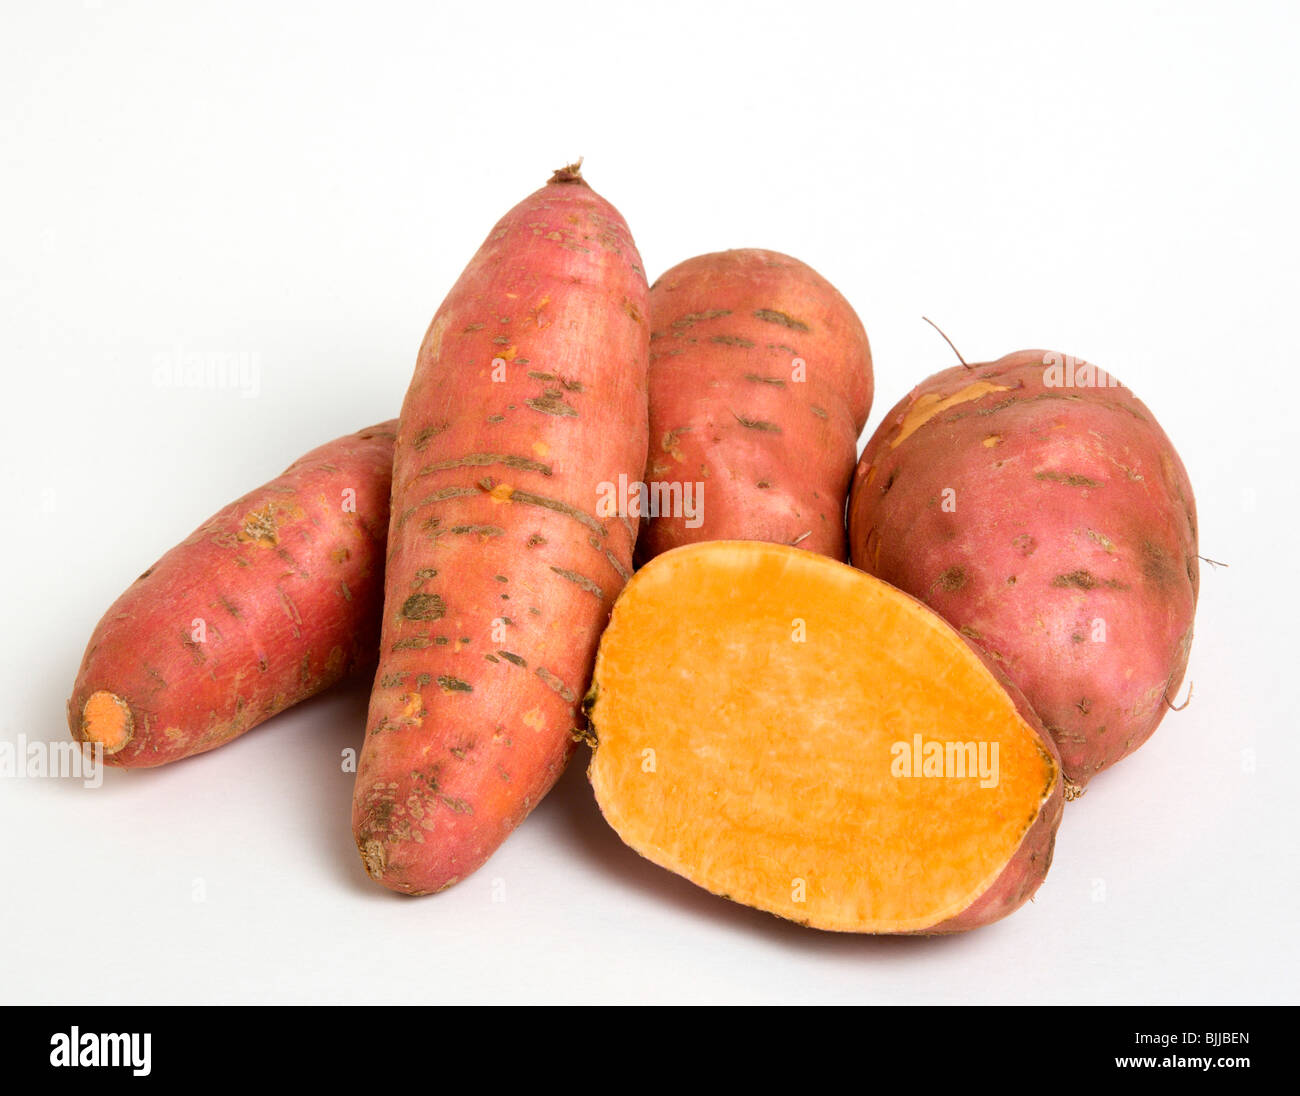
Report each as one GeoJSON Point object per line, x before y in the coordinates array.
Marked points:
{"type": "Point", "coordinates": [800, 737]}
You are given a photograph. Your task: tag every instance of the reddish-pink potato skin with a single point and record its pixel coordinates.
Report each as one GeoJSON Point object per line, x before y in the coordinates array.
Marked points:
{"type": "Point", "coordinates": [773, 443]}
{"type": "Point", "coordinates": [1056, 528]}
{"type": "Point", "coordinates": [502, 569]}
{"type": "Point", "coordinates": [283, 587]}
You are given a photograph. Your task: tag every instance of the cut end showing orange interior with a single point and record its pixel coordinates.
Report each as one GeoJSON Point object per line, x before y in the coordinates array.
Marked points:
{"type": "Point", "coordinates": [106, 718]}
{"type": "Point", "coordinates": [800, 737]}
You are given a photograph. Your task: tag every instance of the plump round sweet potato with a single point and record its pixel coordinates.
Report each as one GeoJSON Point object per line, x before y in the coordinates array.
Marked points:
{"type": "Point", "coordinates": [1037, 505]}
{"type": "Point", "coordinates": [760, 383]}
{"type": "Point", "coordinates": [800, 737]}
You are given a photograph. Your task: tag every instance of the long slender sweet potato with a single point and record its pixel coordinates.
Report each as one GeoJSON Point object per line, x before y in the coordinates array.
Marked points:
{"type": "Point", "coordinates": [507, 546]}
{"type": "Point", "coordinates": [760, 383]}
{"type": "Point", "coordinates": [798, 736]}
{"type": "Point", "coordinates": [272, 599]}
{"type": "Point", "coordinates": [1037, 505]}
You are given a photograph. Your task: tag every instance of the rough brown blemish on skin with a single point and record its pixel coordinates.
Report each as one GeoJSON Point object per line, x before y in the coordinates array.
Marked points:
{"type": "Point", "coordinates": [428, 434]}
{"type": "Point", "coordinates": [535, 540]}
{"type": "Point", "coordinates": [477, 530]}
{"type": "Point", "coordinates": [692, 318]}
{"type": "Point", "coordinates": [454, 684]}
{"type": "Point", "coordinates": [757, 424]}
{"type": "Point", "coordinates": [732, 340]}
{"type": "Point", "coordinates": [510, 656]}
{"type": "Point", "coordinates": [412, 643]}
{"type": "Point", "coordinates": [1086, 580]}
{"type": "Point", "coordinates": [1069, 479]}
{"type": "Point", "coordinates": [394, 680]}
{"type": "Point", "coordinates": [460, 806]}
{"type": "Point", "coordinates": [776, 382]}
{"type": "Point", "coordinates": [145, 575]}
{"type": "Point", "coordinates": [229, 606]}
{"type": "Point", "coordinates": [1157, 568]}
{"type": "Point", "coordinates": [552, 403]}
{"type": "Point", "coordinates": [482, 460]}
{"type": "Point", "coordinates": [580, 581]}
{"type": "Point", "coordinates": [970, 633]}
{"type": "Point", "coordinates": [424, 607]}
{"type": "Point", "coordinates": [556, 684]}
{"type": "Point", "coordinates": [1102, 539]}
{"type": "Point", "coordinates": [953, 579]}
{"type": "Point", "coordinates": [820, 412]}
{"type": "Point", "coordinates": [771, 315]}
{"type": "Point", "coordinates": [422, 576]}
{"type": "Point", "coordinates": [1025, 544]}
{"type": "Point", "coordinates": [345, 590]}
{"type": "Point", "coordinates": [259, 527]}
{"type": "Point", "coordinates": [527, 498]}
{"type": "Point", "coordinates": [1084, 705]}
{"type": "Point", "coordinates": [195, 649]}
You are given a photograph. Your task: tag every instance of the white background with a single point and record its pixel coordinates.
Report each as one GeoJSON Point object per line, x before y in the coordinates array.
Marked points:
{"type": "Point", "coordinates": [304, 184]}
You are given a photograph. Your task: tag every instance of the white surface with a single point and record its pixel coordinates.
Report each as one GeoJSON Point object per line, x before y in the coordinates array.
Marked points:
{"type": "Point", "coordinates": [305, 184]}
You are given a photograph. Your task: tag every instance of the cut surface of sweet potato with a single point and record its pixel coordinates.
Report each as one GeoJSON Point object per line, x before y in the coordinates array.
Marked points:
{"type": "Point", "coordinates": [800, 737]}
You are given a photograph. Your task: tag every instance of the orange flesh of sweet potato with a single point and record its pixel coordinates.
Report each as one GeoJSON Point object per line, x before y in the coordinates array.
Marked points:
{"type": "Point", "coordinates": [749, 710]}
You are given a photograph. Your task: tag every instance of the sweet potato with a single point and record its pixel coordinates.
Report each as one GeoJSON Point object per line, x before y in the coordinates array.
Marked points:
{"type": "Point", "coordinates": [1038, 506]}
{"type": "Point", "coordinates": [795, 735]}
{"type": "Point", "coordinates": [507, 546]}
{"type": "Point", "coordinates": [272, 599]}
{"type": "Point", "coordinates": [760, 383]}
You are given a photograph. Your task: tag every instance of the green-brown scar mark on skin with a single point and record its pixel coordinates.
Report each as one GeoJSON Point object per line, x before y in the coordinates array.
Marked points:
{"type": "Point", "coordinates": [757, 424]}
{"type": "Point", "coordinates": [422, 576]}
{"type": "Point", "coordinates": [412, 643]}
{"type": "Point", "coordinates": [771, 315]}
{"type": "Point", "coordinates": [556, 684]}
{"type": "Point", "coordinates": [581, 516]}
{"type": "Point", "coordinates": [424, 607]}
{"type": "Point", "coordinates": [582, 581]}
{"type": "Point", "coordinates": [692, 318]}
{"type": "Point", "coordinates": [775, 381]}
{"type": "Point", "coordinates": [482, 460]}
{"type": "Point", "coordinates": [953, 579]}
{"type": "Point", "coordinates": [478, 530]}
{"type": "Point", "coordinates": [454, 684]}
{"type": "Point", "coordinates": [510, 656]}
{"type": "Point", "coordinates": [428, 434]}
{"type": "Point", "coordinates": [553, 404]}
{"type": "Point", "coordinates": [570, 385]}
{"type": "Point", "coordinates": [1086, 580]}
{"type": "Point", "coordinates": [732, 340]}
{"type": "Point", "coordinates": [1068, 479]}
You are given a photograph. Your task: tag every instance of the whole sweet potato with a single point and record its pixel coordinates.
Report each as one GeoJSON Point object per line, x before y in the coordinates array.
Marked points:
{"type": "Point", "coordinates": [269, 601]}
{"type": "Point", "coordinates": [507, 544]}
{"type": "Point", "coordinates": [760, 383]}
{"type": "Point", "coordinates": [1037, 505]}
